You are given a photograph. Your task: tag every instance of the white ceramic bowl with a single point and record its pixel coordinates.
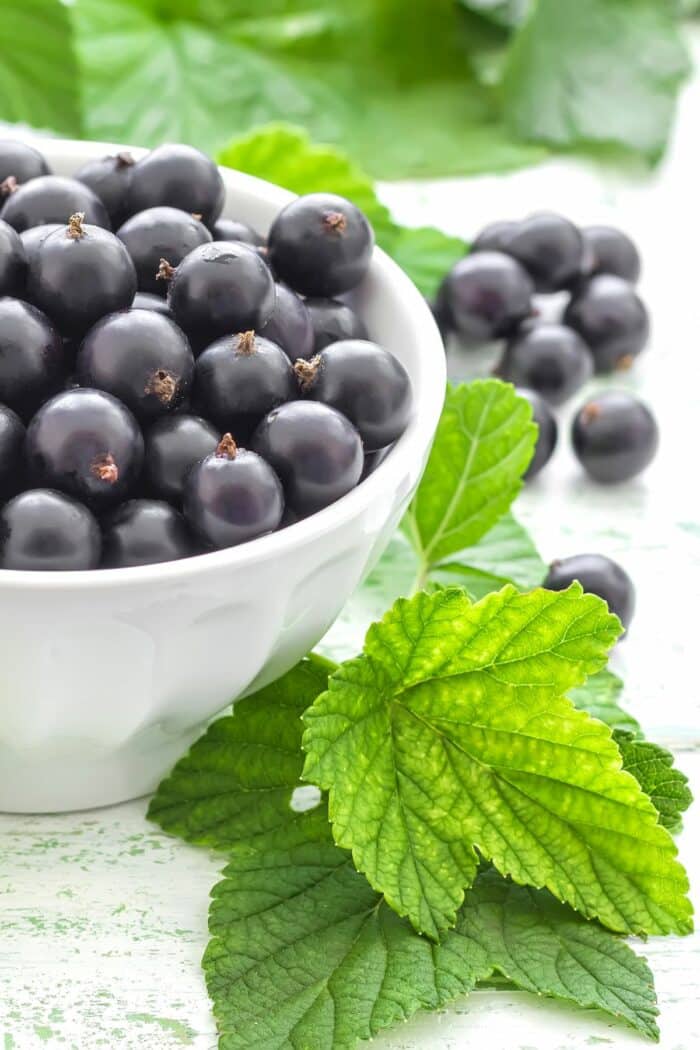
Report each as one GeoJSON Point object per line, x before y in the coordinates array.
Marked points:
{"type": "Point", "coordinates": [107, 677]}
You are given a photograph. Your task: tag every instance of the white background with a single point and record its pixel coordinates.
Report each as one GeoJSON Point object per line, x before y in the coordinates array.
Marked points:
{"type": "Point", "coordinates": [103, 919]}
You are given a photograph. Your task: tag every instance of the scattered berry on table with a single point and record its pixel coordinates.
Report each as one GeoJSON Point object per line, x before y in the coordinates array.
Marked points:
{"type": "Point", "coordinates": [485, 296]}
{"type": "Point", "coordinates": [333, 320]}
{"type": "Point", "coordinates": [13, 261]}
{"type": "Point", "coordinates": [142, 358]}
{"type": "Point", "coordinates": [11, 452]}
{"type": "Point", "coordinates": [52, 198]}
{"type": "Point", "coordinates": [88, 444]}
{"type": "Point", "coordinates": [43, 530]}
{"type": "Point", "coordinates": [232, 495]}
{"type": "Point", "coordinates": [320, 245]}
{"type": "Point", "coordinates": [364, 382]}
{"type": "Point", "coordinates": [239, 379]}
{"type": "Point", "coordinates": [173, 445]}
{"type": "Point", "coordinates": [615, 436]}
{"type": "Point", "coordinates": [314, 449]}
{"type": "Point", "coordinates": [597, 575]}
{"type": "Point", "coordinates": [21, 162]}
{"type": "Point", "coordinates": [31, 357]}
{"type": "Point", "coordinates": [178, 176]}
{"type": "Point", "coordinates": [611, 319]}
{"type": "Point", "coordinates": [609, 250]}
{"type": "Point", "coordinates": [549, 358]}
{"type": "Point", "coordinates": [144, 532]}
{"type": "Point", "coordinates": [547, 432]}
{"type": "Point", "coordinates": [160, 233]}
{"type": "Point", "coordinates": [550, 248]}
{"type": "Point", "coordinates": [109, 179]}
{"type": "Point", "coordinates": [80, 273]}
{"type": "Point", "coordinates": [290, 324]}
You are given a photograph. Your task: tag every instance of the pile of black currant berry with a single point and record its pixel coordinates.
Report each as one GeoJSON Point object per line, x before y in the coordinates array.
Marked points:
{"type": "Point", "coordinates": [492, 295]}
{"type": "Point", "coordinates": [181, 384]}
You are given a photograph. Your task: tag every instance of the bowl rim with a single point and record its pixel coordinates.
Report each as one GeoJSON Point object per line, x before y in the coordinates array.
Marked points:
{"type": "Point", "coordinates": [410, 447]}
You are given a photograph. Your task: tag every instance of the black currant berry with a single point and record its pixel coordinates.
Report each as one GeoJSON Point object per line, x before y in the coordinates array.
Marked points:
{"type": "Point", "coordinates": [315, 451]}
{"type": "Point", "coordinates": [21, 162]}
{"type": "Point", "coordinates": [372, 461]}
{"type": "Point", "coordinates": [232, 230]}
{"type": "Point", "coordinates": [615, 436]}
{"type": "Point", "coordinates": [232, 496]}
{"type": "Point", "coordinates": [220, 288]}
{"type": "Point", "coordinates": [180, 177]}
{"type": "Point", "coordinates": [35, 236]}
{"type": "Point", "coordinates": [609, 250]}
{"type": "Point", "coordinates": [550, 248]}
{"type": "Point", "coordinates": [11, 452]}
{"type": "Point", "coordinates": [140, 357]}
{"type": "Point", "coordinates": [333, 321]}
{"type": "Point", "coordinates": [366, 383]}
{"type": "Point", "coordinates": [549, 358]}
{"type": "Point", "coordinates": [160, 233]}
{"type": "Point", "coordinates": [485, 296]}
{"type": "Point", "coordinates": [611, 319]}
{"type": "Point", "coordinates": [52, 198]}
{"type": "Point", "coordinates": [144, 532]}
{"type": "Point", "coordinates": [320, 244]}
{"type": "Point", "coordinates": [31, 357]}
{"type": "Point", "coordinates": [43, 530]}
{"type": "Point", "coordinates": [173, 446]}
{"type": "Point", "coordinates": [547, 431]}
{"type": "Point", "coordinates": [109, 178]}
{"type": "Point", "coordinates": [79, 274]}
{"type": "Point", "coordinates": [597, 575]}
{"type": "Point", "coordinates": [495, 237]}
{"type": "Point", "coordinates": [13, 262]}
{"type": "Point", "coordinates": [290, 324]}
{"type": "Point", "coordinates": [239, 379]}
{"type": "Point", "coordinates": [88, 444]}
{"type": "Point", "coordinates": [146, 301]}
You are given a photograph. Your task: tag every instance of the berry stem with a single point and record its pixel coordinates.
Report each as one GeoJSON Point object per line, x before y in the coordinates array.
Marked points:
{"type": "Point", "coordinates": [227, 448]}
{"type": "Point", "coordinates": [8, 186]}
{"type": "Point", "coordinates": [124, 160]}
{"type": "Point", "coordinates": [165, 272]}
{"type": "Point", "coordinates": [306, 371]}
{"type": "Point", "coordinates": [246, 342]}
{"type": "Point", "coordinates": [75, 226]}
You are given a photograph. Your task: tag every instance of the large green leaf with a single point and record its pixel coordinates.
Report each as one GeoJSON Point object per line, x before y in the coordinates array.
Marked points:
{"type": "Point", "coordinates": [305, 954]}
{"type": "Point", "coordinates": [38, 69]}
{"type": "Point", "coordinates": [652, 766]}
{"type": "Point", "coordinates": [482, 447]}
{"type": "Point", "coordinates": [452, 731]}
{"type": "Point", "coordinates": [602, 72]}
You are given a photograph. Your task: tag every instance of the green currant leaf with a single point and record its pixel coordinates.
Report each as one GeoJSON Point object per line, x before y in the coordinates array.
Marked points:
{"type": "Point", "coordinates": [452, 733]}
{"type": "Point", "coordinates": [652, 767]}
{"type": "Point", "coordinates": [600, 697]}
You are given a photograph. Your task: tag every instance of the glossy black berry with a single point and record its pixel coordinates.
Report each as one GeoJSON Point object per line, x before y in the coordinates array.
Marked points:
{"type": "Point", "coordinates": [232, 496]}
{"type": "Point", "coordinates": [333, 321]}
{"type": "Point", "coordinates": [609, 250]}
{"type": "Point", "coordinates": [485, 296]}
{"type": "Point", "coordinates": [372, 461]}
{"type": "Point", "coordinates": [140, 357]}
{"type": "Point", "coordinates": [52, 198]}
{"type": "Point", "coordinates": [35, 236]}
{"type": "Point", "coordinates": [611, 319]}
{"type": "Point", "coordinates": [11, 452]}
{"type": "Point", "coordinates": [31, 357]}
{"type": "Point", "coordinates": [615, 436]}
{"type": "Point", "coordinates": [232, 230]}
{"type": "Point", "coordinates": [143, 532]}
{"type": "Point", "coordinates": [146, 301]}
{"type": "Point", "coordinates": [597, 575]}
{"type": "Point", "coordinates": [218, 289]}
{"type": "Point", "coordinates": [87, 444]}
{"type": "Point", "coordinates": [109, 179]}
{"type": "Point", "coordinates": [290, 324]}
{"type": "Point", "coordinates": [160, 233]}
{"type": "Point", "coordinates": [79, 274]}
{"type": "Point", "coordinates": [495, 237]}
{"type": "Point", "coordinates": [13, 262]}
{"type": "Point", "coordinates": [547, 432]}
{"type": "Point", "coordinates": [315, 451]}
{"type": "Point", "coordinates": [180, 177]}
{"type": "Point", "coordinates": [366, 383]}
{"type": "Point", "coordinates": [21, 162]}
{"type": "Point", "coordinates": [239, 379]}
{"type": "Point", "coordinates": [320, 244]}
{"type": "Point", "coordinates": [47, 531]}
{"type": "Point", "coordinates": [173, 446]}
{"type": "Point", "coordinates": [549, 358]}
{"type": "Point", "coordinates": [550, 248]}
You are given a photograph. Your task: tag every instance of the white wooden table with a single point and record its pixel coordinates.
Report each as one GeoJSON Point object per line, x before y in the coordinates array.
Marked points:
{"type": "Point", "coordinates": [103, 919]}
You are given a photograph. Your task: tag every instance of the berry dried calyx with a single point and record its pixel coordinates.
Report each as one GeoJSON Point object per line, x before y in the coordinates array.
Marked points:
{"type": "Point", "coordinates": [162, 385]}
{"type": "Point", "coordinates": [165, 271]}
{"type": "Point", "coordinates": [105, 468]}
{"type": "Point", "coordinates": [8, 186]}
{"type": "Point", "coordinates": [227, 448]}
{"type": "Point", "coordinates": [306, 372]}
{"type": "Point", "coordinates": [76, 229]}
